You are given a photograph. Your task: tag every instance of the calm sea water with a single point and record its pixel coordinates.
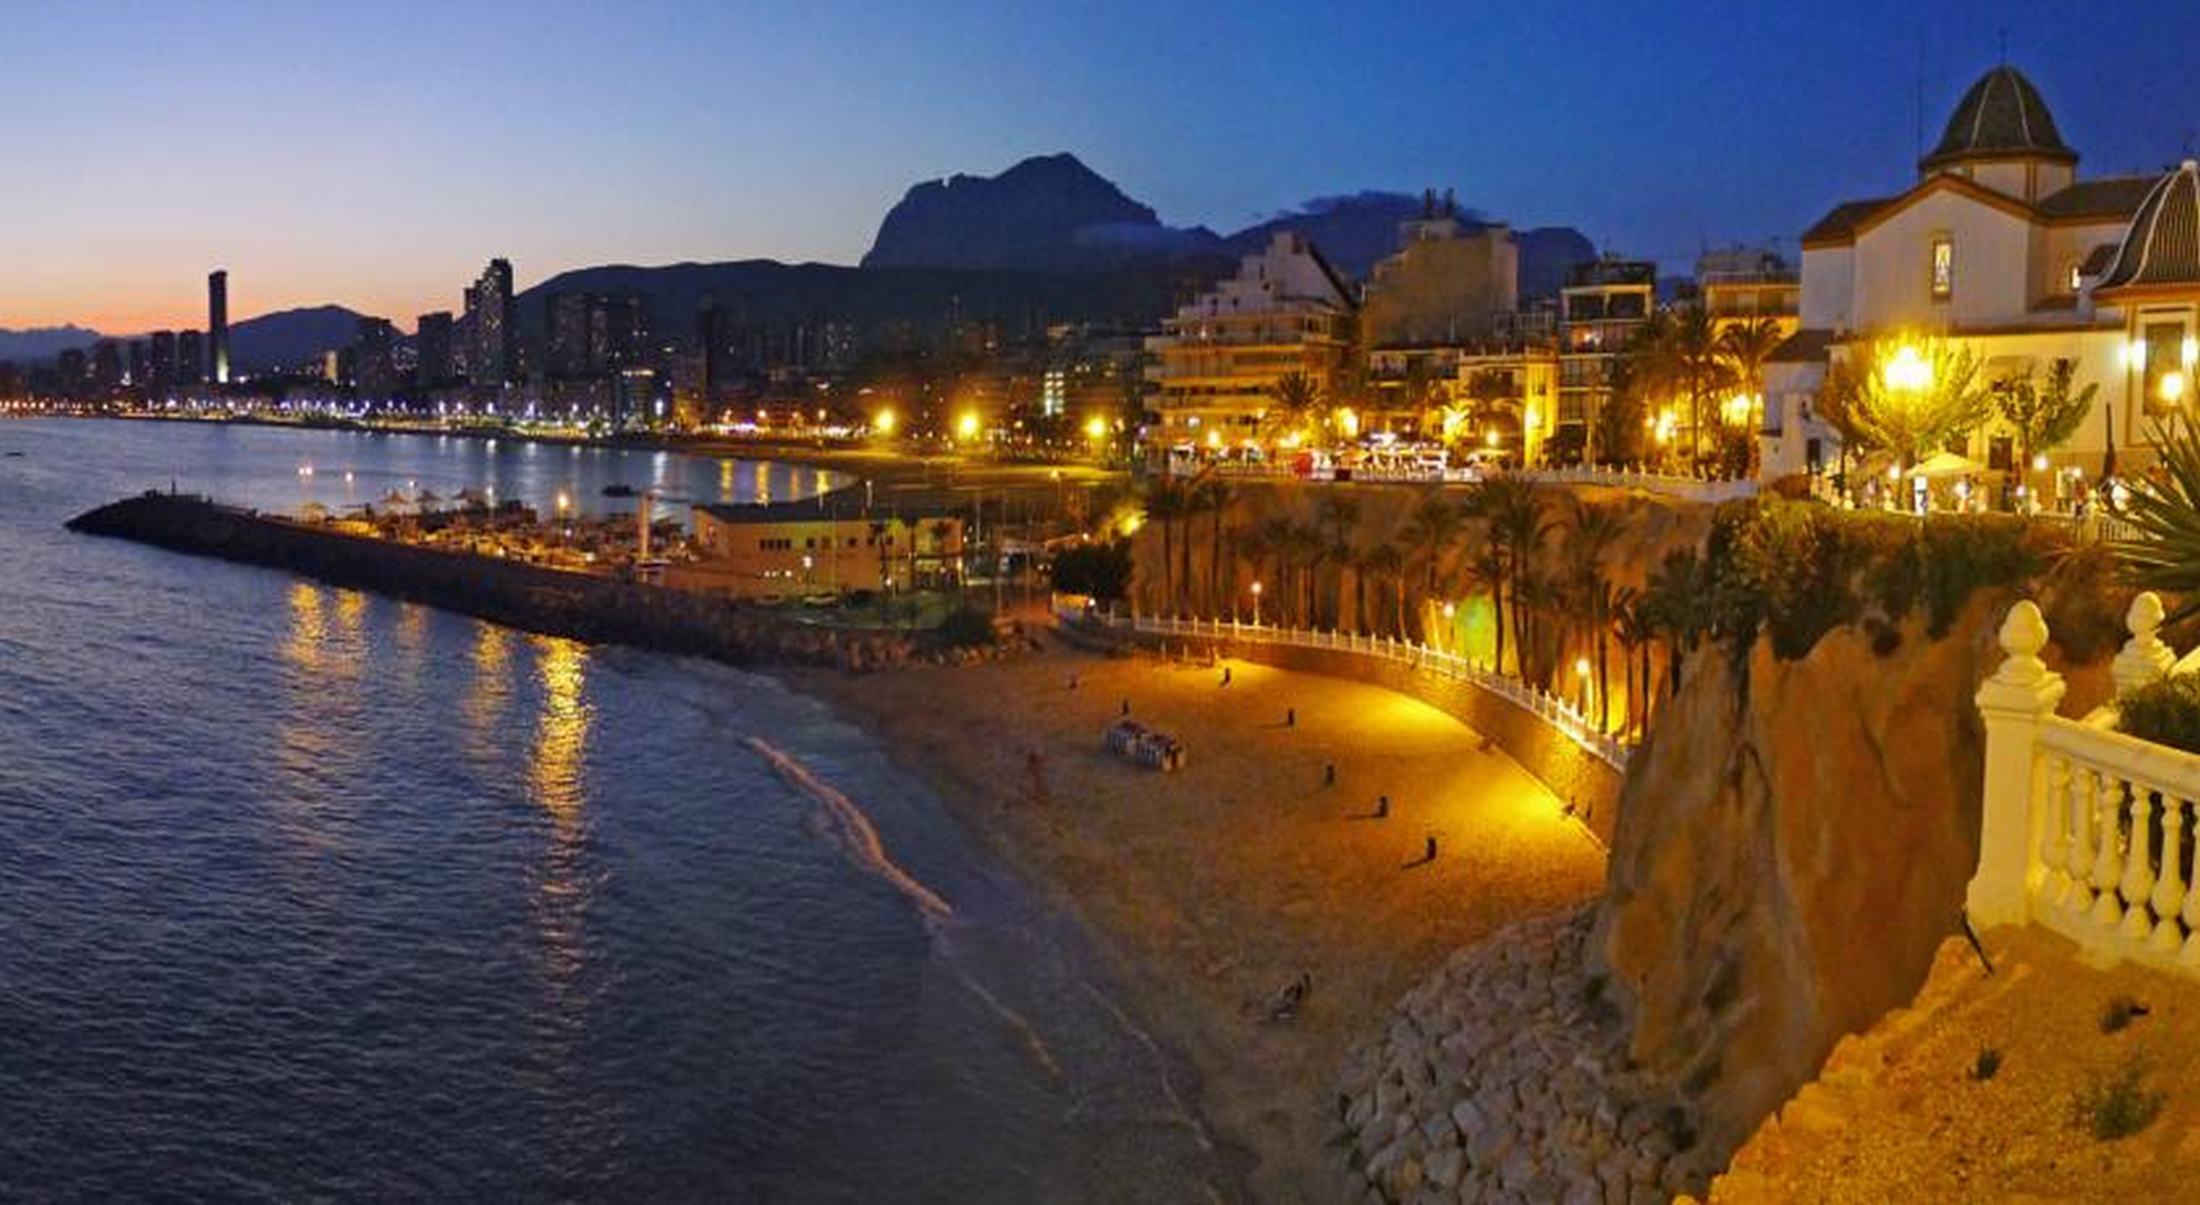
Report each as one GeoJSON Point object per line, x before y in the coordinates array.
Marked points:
{"type": "Point", "coordinates": [307, 894]}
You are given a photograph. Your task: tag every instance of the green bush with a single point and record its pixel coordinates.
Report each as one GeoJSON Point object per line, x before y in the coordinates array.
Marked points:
{"type": "Point", "coordinates": [2166, 712]}
{"type": "Point", "coordinates": [2117, 1105]}
{"type": "Point", "coordinates": [968, 628]}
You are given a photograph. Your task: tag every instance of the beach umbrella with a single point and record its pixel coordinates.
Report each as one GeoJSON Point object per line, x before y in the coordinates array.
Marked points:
{"type": "Point", "coordinates": [1946, 464]}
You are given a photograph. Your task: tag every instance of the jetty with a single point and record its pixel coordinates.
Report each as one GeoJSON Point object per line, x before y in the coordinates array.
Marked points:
{"type": "Point", "coordinates": [593, 607]}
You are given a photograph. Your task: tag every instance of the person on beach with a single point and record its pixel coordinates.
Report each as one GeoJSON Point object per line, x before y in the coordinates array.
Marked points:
{"type": "Point", "coordinates": [1329, 774]}
{"type": "Point", "coordinates": [1382, 807]}
{"type": "Point", "coordinates": [1428, 854]}
{"type": "Point", "coordinates": [1290, 717]}
{"type": "Point", "coordinates": [1126, 706]}
{"type": "Point", "coordinates": [1225, 675]}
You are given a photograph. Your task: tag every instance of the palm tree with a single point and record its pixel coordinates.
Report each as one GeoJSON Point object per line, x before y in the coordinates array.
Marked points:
{"type": "Point", "coordinates": [1257, 545]}
{"type": "Point", "coordinates": [1166, 502]}
{"type": "Point", "coordinates": [1515, 515]}
{"type": "Point", "coordinates": [1631, 625]}
{"type": "Point", "coordinates": [1299, 404]}
{"type": "Point", "coordinates": [1746, 347]}
{"type": "Point", "coordinates": [1337, 513]}
{"type": "Point", "coordinates": [1216, 494]}
{"type": "Point", "coordinates": [1307, 550]}
{"type": "Point", "coordinates": [1386, 562]}
{"type": "Point", "coordinates": [1672, 606]}
{"type": "Point", "coordinates": [1489, 569]}
{"type": "Point", "coordinates": [1593, 530]}
{"type": "Point", "coordinates": [1431, 530]}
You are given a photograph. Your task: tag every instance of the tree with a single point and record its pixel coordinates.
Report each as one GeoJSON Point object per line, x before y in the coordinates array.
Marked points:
{"type": "Point", "coordinates": [1337, 513]}
{"type": "Point", "coordinates": [1746, 346]}
{"type": "Point", "coordinates": [1489, 568]}
{"type": "Point", "coordinates": [2043, 417]}
{"type": "Point", "coordinates": [1301, 407]}
{"type": "Point", "coordinates": [1166, 502]}
{"type": "Point", "coordinates": [1099, 571]}
{"type": "Point", "coordinates": [1907, 397]}
{"type": "Point", "coordinates": [2165, 554]}
{"type": "Point", "coordinates": [1215, 496]}
{"type": "Point", "coordinates": [1387, 563]}
{"type": "Point", "coordinates": [1591, 532]}
{"type": "Point", "coordinates": [1630, 624]}
{"type": "Point", "coordinates": [1430, 531]}
{"type": "Point", "coordinates": [1515, 515]}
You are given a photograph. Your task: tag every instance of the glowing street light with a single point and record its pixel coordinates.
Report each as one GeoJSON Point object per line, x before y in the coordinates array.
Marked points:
{"type": "Point", "coordinates": [966, 427]}
{"type": "Point", "coordinates": [1907, 371]}
{"type": "Point", "coordinates": [1096, 428]}
{"type": "Point", "coordinates": [2171, 388]}
{"type": "Point", "coordinates": [883, 422]}
{"type": "Point", "coordinates": [565, 502]}
{"type": "Point", "coordinates": [1256, 604]}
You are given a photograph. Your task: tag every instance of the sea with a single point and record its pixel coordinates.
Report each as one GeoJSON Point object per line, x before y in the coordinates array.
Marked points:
{"type": "Point", "coordinates": [314, 895]}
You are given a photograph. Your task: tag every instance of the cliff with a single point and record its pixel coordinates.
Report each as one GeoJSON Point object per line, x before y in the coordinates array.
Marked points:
{"type": "Point", "coordinates": [1046, 213]}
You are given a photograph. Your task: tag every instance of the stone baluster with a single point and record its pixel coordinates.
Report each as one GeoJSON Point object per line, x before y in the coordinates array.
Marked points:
{"type": "Point", "coordinates": [2169, 887]}
{"type": "Point", "coordinates": [2055, 839]}
{"type": "Point", "coordinates": [2138, 880]}
{"type": "Point", "coordinates": [2144, 658]}
{"type": "Point", "coordinates": [2012, 703]}
{"type": "Point", "coordinates": [2190, 953]}
{"type": "Point", "coordinates": [2108, 860]}
{"type": "Point", "coordinates": [2085, 788]}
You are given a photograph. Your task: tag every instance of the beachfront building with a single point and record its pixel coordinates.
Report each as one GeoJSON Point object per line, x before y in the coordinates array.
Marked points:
{"type": "Point", "coordinates": [1506, 394]}
{"type": "Point", "coordinates": [1998, 246]}
{"type": "Point", "coordinates": [814, 547]}
{"type": "Point", "coordinates": [1451, 285]}
{"type": "Point", "coordinates": [1215, 364]}
{"type": "Point", "coordinates": [1741, 285]}
{"type": "Point", "coordinates": [1600, 309]}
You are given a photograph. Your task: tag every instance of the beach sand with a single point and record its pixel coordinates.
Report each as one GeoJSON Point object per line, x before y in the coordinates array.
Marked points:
{"type": "Point", "coordinates": [1211, 888]}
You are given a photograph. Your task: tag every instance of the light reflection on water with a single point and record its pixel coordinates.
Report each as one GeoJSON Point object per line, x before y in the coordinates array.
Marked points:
{"type": "Point", "coordinates": [306, 894]}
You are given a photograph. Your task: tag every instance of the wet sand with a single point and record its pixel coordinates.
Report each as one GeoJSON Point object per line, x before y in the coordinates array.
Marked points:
{"type": "Point", "coordinates": [1212, 888]}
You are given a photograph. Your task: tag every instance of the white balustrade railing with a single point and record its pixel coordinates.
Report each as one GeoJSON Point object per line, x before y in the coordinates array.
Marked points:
{"type": "Point", "coordinates": [2086, 830]}
{"type": "Point", "coordinates": [1558, 713]}
{"type": "Point", "coordinates": [1696, 489]}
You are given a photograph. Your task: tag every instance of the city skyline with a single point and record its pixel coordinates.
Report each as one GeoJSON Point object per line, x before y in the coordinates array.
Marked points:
{"type": "Point", "coordinates": [382, 182]}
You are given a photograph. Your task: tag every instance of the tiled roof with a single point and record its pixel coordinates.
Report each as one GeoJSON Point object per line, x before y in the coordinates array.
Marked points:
{"type": "Point", "coordinates": [1841, 224]}
{"type": "Point", "coordinates": [1806, 346]}
{"type": "Point", "coordinates": [2107, 197]}
{"type": "Point", "coordinates": [2098, 260]}
{"type": "Point", "coordinates": [2163, 245]}
{"type": "Point", "coordinates": [2002, 115]}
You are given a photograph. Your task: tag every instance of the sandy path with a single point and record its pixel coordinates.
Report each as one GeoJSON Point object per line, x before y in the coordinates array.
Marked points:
{"type": "Point", "coordinates": [1213, 887]}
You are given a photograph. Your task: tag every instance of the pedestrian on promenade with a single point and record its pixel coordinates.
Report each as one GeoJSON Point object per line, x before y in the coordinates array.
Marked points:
{"type": "Point", "coordinates": [1290, 717]}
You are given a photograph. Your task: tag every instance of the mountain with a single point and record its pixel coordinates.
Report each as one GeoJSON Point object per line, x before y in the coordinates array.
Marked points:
{"type": "Point", "coordinates": [1547, 253]}
{"type": "Point", "coordinates": [1052, 213]}
{"type": "Point", "coordinates": [43, 343]}
{"type": "Point", "coordinates": [290, 339]}
{"type": "Point", "coordinates": [1047, 213]}
{"type": "Point", "coordinates": [1353, 230]}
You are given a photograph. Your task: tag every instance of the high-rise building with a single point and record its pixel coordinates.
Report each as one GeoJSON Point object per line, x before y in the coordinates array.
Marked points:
{"type": "Point", "coordinates": [163, 367]}
{"type": "Point", "coordinates": [493, 351]}
{"type": "Point", "coordinates": [106, 365]}
{"type": "Point", "coordinates": [217, 324]}
{"type": "Point", "coordinates": [190, 358]}
{"type": "Point", "coordinates": [374, 362]}
{"type": "Point", "coordinates": [432, 346]}
{"type": "Point", "coordinates": [140, 372]}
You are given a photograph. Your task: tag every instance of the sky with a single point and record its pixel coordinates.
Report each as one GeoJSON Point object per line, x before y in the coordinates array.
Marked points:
{"type": "Point", "coordinates": [376, 155]}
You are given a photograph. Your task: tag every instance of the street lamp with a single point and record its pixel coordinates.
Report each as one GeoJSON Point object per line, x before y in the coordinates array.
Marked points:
{"type": "Point", "coordinates": [1907, 371]}
{"type": "Point", "coordinates": [1256, 604]}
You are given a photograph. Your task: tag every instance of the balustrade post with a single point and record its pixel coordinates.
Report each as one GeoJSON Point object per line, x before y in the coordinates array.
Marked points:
{"type": "Point", "coordinates": [2011, 704]}
{"type": "Point", "coordinates": [2168, 899]}
{"type": "Point", "coordinates": [2144, 658]}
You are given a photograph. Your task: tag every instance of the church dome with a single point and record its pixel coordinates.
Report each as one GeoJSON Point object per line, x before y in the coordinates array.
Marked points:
{"type": "Point", "coordinates": [2163, 245]}
{"type": "Point", "coordinates": [2001, 117]}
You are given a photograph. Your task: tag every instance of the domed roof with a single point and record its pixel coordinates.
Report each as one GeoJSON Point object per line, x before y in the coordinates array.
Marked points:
{"type": "Point", "coordinates": [2163, 245]}
{"type": "Point", "coordinates": [2001, 117]}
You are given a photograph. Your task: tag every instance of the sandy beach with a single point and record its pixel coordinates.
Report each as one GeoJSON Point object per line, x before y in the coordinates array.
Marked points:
{"type": "Point", "coordinates": [1212, 888]}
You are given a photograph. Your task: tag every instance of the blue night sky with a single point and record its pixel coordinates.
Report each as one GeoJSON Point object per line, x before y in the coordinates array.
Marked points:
{"type": "Point", "coordinates": [375, 154]}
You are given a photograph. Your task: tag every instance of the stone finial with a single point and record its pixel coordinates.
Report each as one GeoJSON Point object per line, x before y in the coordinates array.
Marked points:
{"type": "Point", "coordinates": [2024, 631]}
{"type": "Point", "coordinates": [2144, 658]}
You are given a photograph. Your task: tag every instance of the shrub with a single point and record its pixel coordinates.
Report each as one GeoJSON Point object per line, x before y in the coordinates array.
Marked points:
{"type": "Point", "coordinates": [2165, 712]}
{"type": "Point", "coordinates": [968, 628]}
{"type": "Point", "coordinates": [1102, 571]}
{"type": "Point", "coordinates": [2116, 1105]}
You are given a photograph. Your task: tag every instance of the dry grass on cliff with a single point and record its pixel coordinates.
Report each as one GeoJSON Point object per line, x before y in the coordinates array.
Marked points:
{"type": "Point", "coordinates": [1217, 885]}
{"type": "Point", "coordinates": [1903, 1113]}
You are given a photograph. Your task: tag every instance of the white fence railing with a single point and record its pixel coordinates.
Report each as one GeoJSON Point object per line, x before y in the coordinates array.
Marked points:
{"type": "Point", "coordinates": [2086, 830]}
{"type": "Point", "coordinates": [2094, 525]}
{"type": "Point", "coordinates": [1552, 710]}
{"type": "Point", "coordinates": [1695, 489]}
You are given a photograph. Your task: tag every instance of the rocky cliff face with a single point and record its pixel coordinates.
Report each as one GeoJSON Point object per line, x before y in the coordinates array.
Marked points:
{"type": "Point", "coordinates": [1793, 845]}
{"type": "Point", "coordinates": [1046, 213]}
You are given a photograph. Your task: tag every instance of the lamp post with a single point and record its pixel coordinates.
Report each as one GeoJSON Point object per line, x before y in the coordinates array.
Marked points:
{"type": "Point", "coordinates": [1256, 604]}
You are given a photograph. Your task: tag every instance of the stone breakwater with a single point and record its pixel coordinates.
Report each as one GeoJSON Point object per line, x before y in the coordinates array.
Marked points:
{"type": "Point", "coordinates": [532, 598]}
{"type": "Point", "coordinates": [1503, 1077]}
